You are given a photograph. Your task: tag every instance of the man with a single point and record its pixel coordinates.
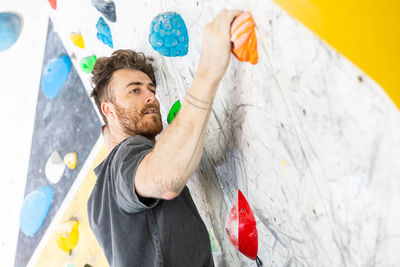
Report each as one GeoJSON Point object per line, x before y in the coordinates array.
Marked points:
{"type": "Point", "coordinates": [140, 209]}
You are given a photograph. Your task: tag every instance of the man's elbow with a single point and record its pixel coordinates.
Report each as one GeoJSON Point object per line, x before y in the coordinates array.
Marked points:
{"type": "Point", "coordinates": [169, 195]}
{"type": "Point", "coordinates": [172, 192]}
{"type": "Point", "coordinates": [170, 189]}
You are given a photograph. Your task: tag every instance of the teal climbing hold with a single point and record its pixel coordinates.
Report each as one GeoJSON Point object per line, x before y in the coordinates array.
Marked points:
{"type": "Point", "coordinates": [168, 35]}
{"type": "Point", "coordinates": [55, 74]}
{"type": "Point", "coordinates": [34, 210]}
{"type": "Point", "coordinates": [174, 111]}
{"type": "Point", "coordinates": [87, 63]}
{"type": "Point", "coordinates": [10, 29]}
{"type": "Point", "coordinates": [104, 32]}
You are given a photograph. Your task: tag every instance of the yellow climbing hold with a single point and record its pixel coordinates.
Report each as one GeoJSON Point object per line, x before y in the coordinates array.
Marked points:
{"type": "Point", "coordinates": [70, 160]}
{"type": "Point", "coordinates": [284, 165]}
{"type": "Point", "coordinates": [67, 235]}
{"type": "Point", "coordinates": [77, 39]}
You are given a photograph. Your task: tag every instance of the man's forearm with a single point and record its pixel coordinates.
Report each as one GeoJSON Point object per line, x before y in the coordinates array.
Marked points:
{"type": "Point", "coordinates": [178, 151]}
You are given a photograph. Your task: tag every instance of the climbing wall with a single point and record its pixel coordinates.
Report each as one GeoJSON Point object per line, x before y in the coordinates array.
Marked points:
{"type": "Point", "coordinates": [85, 250]}
{"type": "Point", "coordinates": [308, 137]}
{"type": "Point", "coordinates": [65, 121]}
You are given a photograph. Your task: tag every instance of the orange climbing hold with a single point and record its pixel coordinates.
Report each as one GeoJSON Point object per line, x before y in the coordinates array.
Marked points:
{"type": "Point", "coordinates": [243, 37]}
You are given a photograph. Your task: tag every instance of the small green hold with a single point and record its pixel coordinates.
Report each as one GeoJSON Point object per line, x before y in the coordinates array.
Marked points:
{"type": "Point", "coordinates": [214, 247]}
{"type": "Point", "coordinates": [87, 63]}
{"type": "Point", "coordinates": [174, 111]}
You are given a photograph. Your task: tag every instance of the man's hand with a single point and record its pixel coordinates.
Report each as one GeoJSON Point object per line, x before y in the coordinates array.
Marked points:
{"type": "Point", "coordinates": [217, 45]}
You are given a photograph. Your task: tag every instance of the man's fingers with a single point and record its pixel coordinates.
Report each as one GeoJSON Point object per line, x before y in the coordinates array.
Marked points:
{"type": "Point", "coordinates": [232, 14]}
{"type": "Point", "coordinates": [217, 44]}
{"type": "Point", "coordinates": [226, 15]}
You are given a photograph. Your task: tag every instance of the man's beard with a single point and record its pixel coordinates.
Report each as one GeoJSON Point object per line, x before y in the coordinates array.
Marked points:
{"type": "Point", "coordinates": [133, 122]}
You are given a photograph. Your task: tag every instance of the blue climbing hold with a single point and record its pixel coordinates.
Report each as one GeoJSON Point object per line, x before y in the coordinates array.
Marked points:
{"type": "Point", "coordinates": [55, 74]}
{"type": "Point", "coordinates": [10, 29]}
{"type": "Point", "coordinates": [168, 35]}
{"type": "Point", "coordinates": [106, 8]}
{"type": "Point", "coordinates": [104, 32]}
{"type": "Point", "coordinates": [34, 210]}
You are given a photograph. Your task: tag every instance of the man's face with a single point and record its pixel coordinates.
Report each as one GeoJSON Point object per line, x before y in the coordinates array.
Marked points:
{"type": "Point", "coordinates": [136, 106]}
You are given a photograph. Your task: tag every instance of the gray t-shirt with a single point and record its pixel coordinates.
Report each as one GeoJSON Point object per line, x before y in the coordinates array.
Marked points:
{"type": "Point", "coordinates": [143, 232]}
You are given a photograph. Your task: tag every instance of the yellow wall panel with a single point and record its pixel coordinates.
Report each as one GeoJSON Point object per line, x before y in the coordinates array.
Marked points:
{"type": "Point", "coordinates": [87, 251]}
{"type": "Point", "coordinates": [366, 32]}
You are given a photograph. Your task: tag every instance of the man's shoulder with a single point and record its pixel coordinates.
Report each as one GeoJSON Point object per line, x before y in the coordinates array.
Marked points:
{"type": "Point", "coordinates": [139, 139]}
{"type": "Point", "coordinates": [135, 142]}
{"type": "Point", "coordinates": [130, 145]}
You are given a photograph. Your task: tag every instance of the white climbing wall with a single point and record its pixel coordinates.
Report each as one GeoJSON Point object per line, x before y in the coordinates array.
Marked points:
{"type": "Point", "coordinates": [312, 142]}
{"type": "Point", "coordinates": [20, 68]}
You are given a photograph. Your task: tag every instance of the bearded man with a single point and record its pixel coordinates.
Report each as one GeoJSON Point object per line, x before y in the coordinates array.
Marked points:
{"type": "Point", "coordinates": [140, 209]}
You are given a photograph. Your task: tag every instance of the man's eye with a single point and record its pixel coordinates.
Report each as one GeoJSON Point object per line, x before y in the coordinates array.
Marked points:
{"type": "Point", "coordinates": [153, 91]}
{"type": "Point", "coordinates": [135, 91]}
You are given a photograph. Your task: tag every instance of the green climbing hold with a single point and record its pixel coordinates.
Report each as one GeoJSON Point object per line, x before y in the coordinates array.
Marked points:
{"type": "Point", "coordinates": [87, 63]}
{"type": "Point", "coordinates": [174, 111]}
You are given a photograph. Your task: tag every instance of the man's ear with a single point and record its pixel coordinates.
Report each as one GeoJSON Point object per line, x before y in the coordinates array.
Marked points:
{"type": "Point", "coordinates": [108, 109]}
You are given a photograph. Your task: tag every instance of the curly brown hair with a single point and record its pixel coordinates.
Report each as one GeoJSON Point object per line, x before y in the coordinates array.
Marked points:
{"type": "Point", "coordinates": [105, 67]}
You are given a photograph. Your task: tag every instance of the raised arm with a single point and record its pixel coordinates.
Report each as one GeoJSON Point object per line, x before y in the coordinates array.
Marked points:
{"type": "Point", "coordinates": [164, 172]}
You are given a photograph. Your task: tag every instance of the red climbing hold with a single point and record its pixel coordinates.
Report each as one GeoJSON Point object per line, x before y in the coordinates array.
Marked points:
{"type": "Point", "coordinates": [53, 4]}
{"type": "Point", "coordinates": [241, 227]}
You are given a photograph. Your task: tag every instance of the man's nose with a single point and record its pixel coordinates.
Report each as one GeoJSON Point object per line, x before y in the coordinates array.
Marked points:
{"type": "Point", "coordinates": [150, 97]}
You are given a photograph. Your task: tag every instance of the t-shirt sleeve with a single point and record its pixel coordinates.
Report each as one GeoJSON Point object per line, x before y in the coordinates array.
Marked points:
{"type": "Point", "coordinates": [125, 163]}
